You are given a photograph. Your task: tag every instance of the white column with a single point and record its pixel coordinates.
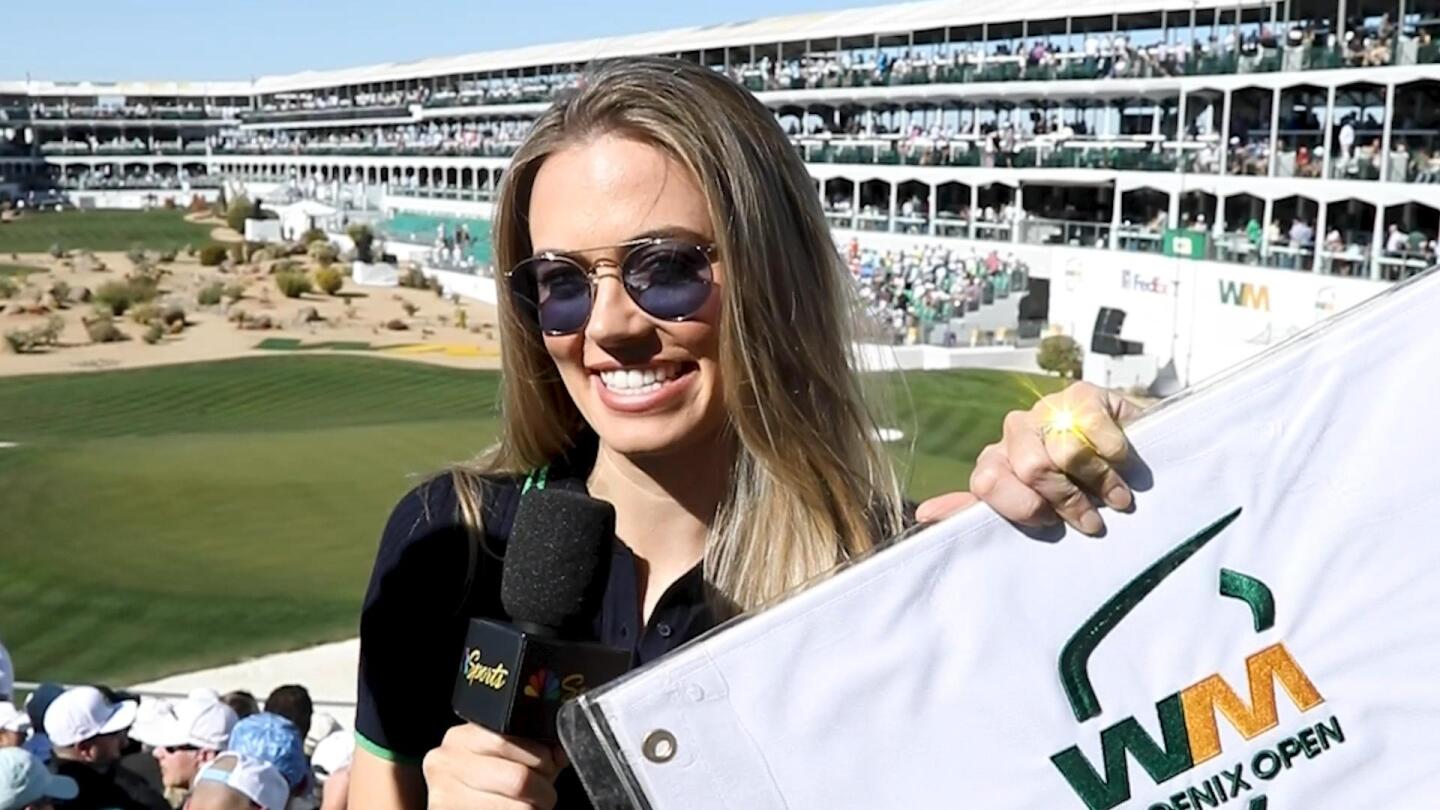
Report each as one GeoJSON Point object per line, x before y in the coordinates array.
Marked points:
{"type": "Point", "coordinates": [1269, 215]}
{"type": "Point", "coordinates": [894, 208]}
{"type": "Point", "coordinates": [1172, 215]}
{"type": "Point", "coordinates": [1225, 130]}
{"type": "Point", "coordinates": [1180, 130]}
{"type": "Point", "coordinates": [854, 205]}
{"type": "Point", "coordinates": [934, 192]}
{"type": "Point", "coordinates": [1389, 123]}
{"type": "Point", "coordinates": [1274, 132]}
{"type": "Point", "coordinates": [1377, 242]}
{"type": "Point", "coordinates": [1329, 134]}
{"type": "Point", "coordinates": [974, 210]}
{"type": "Point", "coordinates": [1321, 265]}
{"type": "Point", "coordinates": [1116, 199]}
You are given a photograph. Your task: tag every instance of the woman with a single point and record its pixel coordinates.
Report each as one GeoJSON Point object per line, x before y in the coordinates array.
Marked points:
{"type": "Point", "coordinates": [675, 341]}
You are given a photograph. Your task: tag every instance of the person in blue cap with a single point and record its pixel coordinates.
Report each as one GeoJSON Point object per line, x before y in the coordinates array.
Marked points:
{"type": "Point", "coordinates": [26, 784]}
{"type": "Point", "coordinates": [271, 738]}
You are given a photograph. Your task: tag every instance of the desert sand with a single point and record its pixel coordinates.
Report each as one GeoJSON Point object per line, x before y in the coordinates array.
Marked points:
{"type": "Point", "coordinates": [362, 314]}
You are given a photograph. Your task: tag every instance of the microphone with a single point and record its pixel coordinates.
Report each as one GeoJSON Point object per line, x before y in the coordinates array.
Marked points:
{"type": "Point", "coordinates": [513, 676]}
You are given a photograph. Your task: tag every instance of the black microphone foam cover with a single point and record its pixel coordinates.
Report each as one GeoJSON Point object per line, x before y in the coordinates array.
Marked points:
{"type": "Point", "coordinates": [557, 559]}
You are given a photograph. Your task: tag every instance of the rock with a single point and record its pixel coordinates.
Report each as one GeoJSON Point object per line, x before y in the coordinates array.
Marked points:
{"type": "Point", "coordinates": [82, 295]}
{"type": "Point", "coordinates": [176, 327]}
{"type": "Point", "coordinates": [50, 301]}
{"type": "Point", "coordinates": [307, 315]}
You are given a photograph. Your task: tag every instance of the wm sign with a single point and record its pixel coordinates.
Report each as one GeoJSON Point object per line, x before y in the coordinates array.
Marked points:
{"type": "Point", "coordinates": [1252, 296]}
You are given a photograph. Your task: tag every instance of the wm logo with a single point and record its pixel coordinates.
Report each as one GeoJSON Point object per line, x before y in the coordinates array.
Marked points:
{"type": "Point", "coordinates": [1189, 725]}
{"type": "Point", "coordinates": [1253, 296]}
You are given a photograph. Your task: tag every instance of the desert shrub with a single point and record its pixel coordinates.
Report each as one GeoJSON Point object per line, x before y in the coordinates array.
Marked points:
{"type": "Point", "coordinates": [396, 325]}
{"type": "Point", "coordinates": [313, 235]}
{"type": "Point", "coordinates": [167, 256]}
{"type": "Point", "coordinates": [136, 255]}
{"type": "Point", "coordinates": [434, 284]}
{"type": "Point", "coordinates": [61, 291]}
{"type": "Point", "coordinates": [292, 285]}
{"type": "Point", "coordinates": [462, 318]}
{"type": "Point", "coordinates": [103, 330]}
{"type": "Point", "coordinates": [190, 251]}
{"type": "Point", "coordinates": [286, 266]}
{"type": "Point", "coordinates": [212, 255]}
{"type": "Point", "coordinates": [57, 252]}
{"type": "Point", "coordinates": [169, 204]}
{"type": "Point", "coordinates": [144, 284]}
{"type": "Point", "coordinates": [210, 294]}
{"type": "Point", "coordinates": [114, 297]}
{"type": "Point", "coordinates": [410, 308]}
{"type": "Point", "coordinates": [172, 316]}
{"type": "Point", "coordinates": [237, 212]}
{"type": "Point", "coordinates": [413, 278]}
{"type": "Point", "coordinates": [329, 280]}
{"type": "Point", "coordinates": [154, 333]}
{"type": "Point", "coordinates": [324, 253]}
{"type": "Point", "coordinates": [237, 253]}
{"type": "Point", "coordinates": [144, 313]}
{"type": "Point", "coordinates": [1060, 354]}
{"type": "Point", "coordinates": [235, 291]}
{"type": "Point", "coordinates": [364, 240]}
{"type": "Point", "coordinates": [19, 340]}
{"type": "Point", "coordinates": [8, 288]}
{"type": "Point", "coordinates": [198, 204]}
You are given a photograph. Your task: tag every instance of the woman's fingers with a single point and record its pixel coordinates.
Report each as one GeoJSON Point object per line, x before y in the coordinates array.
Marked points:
{"type": "Point", "coordinates": [995, 482]}
{"type": "Point", "coordinates": [481, 740]}
{"type": "Point", "coordinates": [1029, 456]}
{"type": "Point", "coordinates": [943, 506]}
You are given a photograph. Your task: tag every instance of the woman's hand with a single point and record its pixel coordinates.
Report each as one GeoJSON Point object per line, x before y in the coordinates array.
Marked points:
{"type": "Point", "coordinates": [1050, 461]}
{"type": "Point", "coordinates": [476, 769]}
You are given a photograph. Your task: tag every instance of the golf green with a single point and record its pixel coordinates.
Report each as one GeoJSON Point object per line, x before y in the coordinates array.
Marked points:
{"type": "Point", "coordinates": [166, 519]}
{"type": "Point", "coordinates": [38, 231]}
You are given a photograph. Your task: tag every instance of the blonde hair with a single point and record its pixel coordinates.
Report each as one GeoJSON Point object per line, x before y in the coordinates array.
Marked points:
{"type": "Point", "coordinates": [809, 485]}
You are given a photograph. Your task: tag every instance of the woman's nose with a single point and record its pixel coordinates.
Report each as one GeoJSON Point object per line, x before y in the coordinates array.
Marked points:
{"type": "Point", "coordinates": [614, 317]}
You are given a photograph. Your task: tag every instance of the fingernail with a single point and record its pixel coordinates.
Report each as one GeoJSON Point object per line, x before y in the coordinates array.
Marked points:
{"type": "Point", "coordinates": [924, 513]}
{"type": "Point", "coordinates": [1090, 522]}
{"type": "Point", "coordinates": [1119, 497]}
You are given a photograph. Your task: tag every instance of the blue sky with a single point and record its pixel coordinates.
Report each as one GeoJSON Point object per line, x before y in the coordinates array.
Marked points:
{"type": "Point", "coordinates": [70, 40]}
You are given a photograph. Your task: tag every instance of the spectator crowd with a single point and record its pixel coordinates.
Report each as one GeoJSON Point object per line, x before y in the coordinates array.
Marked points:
{"type": "Point", "coordinates": [95, 748]}
{"type": "Point", "coordinates": [917, 294]}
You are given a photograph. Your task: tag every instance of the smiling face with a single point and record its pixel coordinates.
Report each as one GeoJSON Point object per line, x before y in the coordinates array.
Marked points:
{"type": "Point", "coordinates": [646, 386]}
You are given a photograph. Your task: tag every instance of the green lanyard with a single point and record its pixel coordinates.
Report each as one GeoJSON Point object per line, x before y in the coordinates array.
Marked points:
{"type": "Point", "coordinates": [536, 480]}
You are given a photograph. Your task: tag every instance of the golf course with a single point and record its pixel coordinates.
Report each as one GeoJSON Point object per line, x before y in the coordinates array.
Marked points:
{"type": "Point", "coordinates": [163, 519]}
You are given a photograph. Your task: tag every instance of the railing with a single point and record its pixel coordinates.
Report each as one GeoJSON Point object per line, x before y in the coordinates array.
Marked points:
{"type": "Point", "coordinates": [324, 114]}
{"type": "Point", "coordinates": [457, 194]}
{"type": "Point", "coordinates": [26, 687]}
{"type": "Point", "coordinates": [370, 150]}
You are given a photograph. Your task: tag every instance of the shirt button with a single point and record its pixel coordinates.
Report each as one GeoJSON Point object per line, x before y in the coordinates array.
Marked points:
{"type": "Point", "coordinates": [624, 631]}
{"type": "Point", "coordinates": [664, 630]}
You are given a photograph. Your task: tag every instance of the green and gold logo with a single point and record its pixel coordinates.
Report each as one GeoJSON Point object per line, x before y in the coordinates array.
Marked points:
{"type": "Point", "coordinates": [1188, 719]}
{"type": "Point", "coordinates": [476, 671]}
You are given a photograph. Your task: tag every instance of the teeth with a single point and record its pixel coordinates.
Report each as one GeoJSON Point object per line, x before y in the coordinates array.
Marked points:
{"type": "Point", "coordinates": [638, 381]}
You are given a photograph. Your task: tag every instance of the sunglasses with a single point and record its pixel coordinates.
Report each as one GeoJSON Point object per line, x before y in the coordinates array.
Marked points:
{"type": "Point", "coordinates": [669, 278]}
{"type": "Point", "coordinates": [176, 749]}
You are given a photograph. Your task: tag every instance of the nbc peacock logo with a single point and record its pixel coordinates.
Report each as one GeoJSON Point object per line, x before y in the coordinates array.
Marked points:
{"type": "Point", "coordinates": [544, 685]}
{"type": "Point", "coordinates": [551, 688]}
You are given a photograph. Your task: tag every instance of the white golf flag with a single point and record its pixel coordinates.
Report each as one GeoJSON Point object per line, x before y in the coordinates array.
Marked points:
{"type": "Point", "coordinates": [1263, 630]}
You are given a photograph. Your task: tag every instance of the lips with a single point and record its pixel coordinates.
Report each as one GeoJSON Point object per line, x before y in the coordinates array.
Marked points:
{"type": "Point", "coordinates": [639, 389]}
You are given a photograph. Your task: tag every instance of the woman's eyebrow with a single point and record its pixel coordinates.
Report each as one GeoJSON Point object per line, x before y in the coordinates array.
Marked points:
{"type": "Point", "coordinates": [662, 232]}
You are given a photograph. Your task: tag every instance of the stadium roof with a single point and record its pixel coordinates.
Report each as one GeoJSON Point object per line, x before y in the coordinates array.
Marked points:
{"type": "Point", "coordinates": [896, 18]}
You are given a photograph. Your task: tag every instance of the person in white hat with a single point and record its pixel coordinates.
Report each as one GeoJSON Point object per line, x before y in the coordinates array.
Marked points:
{"type": "Point", "coordinates": [88, 733]}
{"type": "Point", "coordinates": [14, 725]}
{"type": "Point", "coordinates": [194, 733]}
{"type": "Point", "coordinates": [26, 784]}
{"type": "Point", "coordinates": [234, 781]}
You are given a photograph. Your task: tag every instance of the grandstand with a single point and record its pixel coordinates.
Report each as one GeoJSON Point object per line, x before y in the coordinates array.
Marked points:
{"type": "Point", "coordinates": [1248, 137]}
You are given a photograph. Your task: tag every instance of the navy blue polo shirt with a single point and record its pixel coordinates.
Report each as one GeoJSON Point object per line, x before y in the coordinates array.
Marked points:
{"type": "Point", "coordinates": [430, 578]}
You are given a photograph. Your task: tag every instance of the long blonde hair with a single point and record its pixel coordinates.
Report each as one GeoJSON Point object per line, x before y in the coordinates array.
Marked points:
{"type": "Point", "coordinates": [809, 485]}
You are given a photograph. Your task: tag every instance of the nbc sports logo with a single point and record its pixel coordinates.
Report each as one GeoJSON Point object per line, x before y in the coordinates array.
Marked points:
{"type": "Point", "coordinates": [546, 685]}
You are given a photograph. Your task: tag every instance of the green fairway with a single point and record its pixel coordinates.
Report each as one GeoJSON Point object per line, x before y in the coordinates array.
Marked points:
{"type": "Point", "coordinates": [36, 232]}
{"type": "Point", "coordinates": [17, 270]}
{"type": "Point", "coordinates": [165, 519]}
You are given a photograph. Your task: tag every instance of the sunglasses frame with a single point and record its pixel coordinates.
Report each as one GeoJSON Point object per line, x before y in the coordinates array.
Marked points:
{"type": "Point", "coordinates": [591, 268]}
